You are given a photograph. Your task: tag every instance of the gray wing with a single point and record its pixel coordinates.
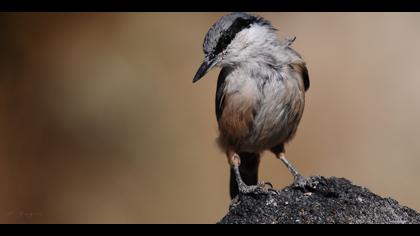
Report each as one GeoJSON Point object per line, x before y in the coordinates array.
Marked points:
{"type": "Point", "coordinates": [220, 94]}
{"type": "Point", "coordinates": [300, 67]}
{"type": "Point", "coordinates": [305, 77]}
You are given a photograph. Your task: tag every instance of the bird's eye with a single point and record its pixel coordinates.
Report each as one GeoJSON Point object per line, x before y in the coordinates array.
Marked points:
{"type": "Point", "coordinates": [228, 35]}
{"type": "Point", "coordinates": [227, 39]}
{"type": "Point", "coordinates": [224, 42]}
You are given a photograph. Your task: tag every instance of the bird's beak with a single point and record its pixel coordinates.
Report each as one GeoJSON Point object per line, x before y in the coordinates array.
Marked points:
{"type": "Point", "coordinates": [204, 68]}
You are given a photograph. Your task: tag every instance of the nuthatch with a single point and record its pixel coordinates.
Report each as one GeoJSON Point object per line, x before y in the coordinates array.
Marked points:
{"type": "Point", "coordinates": [260, 94]}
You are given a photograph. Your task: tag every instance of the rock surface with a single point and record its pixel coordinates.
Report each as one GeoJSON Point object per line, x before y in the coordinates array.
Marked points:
{"type": "Point", "coordinates": [323, 201]}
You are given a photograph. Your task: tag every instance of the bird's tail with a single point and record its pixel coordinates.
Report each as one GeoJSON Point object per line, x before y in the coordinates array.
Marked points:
{"type": "Point", "coordinates": [248, 169]}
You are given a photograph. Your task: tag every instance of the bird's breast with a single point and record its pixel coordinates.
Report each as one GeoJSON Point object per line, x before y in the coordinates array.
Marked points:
{"type": "Point", "coordinates": [239, 106]}
{"type": "Point", "coordinates": [259, 114]}
{"type": "Point", "coordinates": [278, 115]}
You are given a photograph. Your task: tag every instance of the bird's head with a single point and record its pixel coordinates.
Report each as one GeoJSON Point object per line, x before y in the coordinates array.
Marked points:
{"type": "Point", "coordinates": [234, 38]}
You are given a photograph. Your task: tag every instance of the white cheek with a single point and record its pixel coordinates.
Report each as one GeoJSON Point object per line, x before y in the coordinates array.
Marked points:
{"type": "Point", "coordinates": [247, 43]}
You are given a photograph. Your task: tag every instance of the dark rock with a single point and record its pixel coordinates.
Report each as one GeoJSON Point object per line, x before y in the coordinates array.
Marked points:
{"type": "Point", "coordinates": [323, 201]}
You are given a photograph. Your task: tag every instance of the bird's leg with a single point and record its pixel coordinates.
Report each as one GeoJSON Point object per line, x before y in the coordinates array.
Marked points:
{"type": "Point", "coordinates": [298, 179]}
{"type": "Point", "coordinates": [235, 162]}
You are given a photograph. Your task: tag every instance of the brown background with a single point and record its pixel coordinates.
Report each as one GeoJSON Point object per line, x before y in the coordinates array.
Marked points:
{"type": "Point", "coordinates": [100, 122]}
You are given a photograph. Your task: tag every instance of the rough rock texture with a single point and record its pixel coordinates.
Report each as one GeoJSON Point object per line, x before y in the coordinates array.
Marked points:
{"type": "Point", "coordinates": [324, 201]}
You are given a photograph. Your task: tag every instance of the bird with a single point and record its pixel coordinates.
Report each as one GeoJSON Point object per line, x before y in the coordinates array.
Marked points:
{"type": "Point", "coordinates": [260, 95]}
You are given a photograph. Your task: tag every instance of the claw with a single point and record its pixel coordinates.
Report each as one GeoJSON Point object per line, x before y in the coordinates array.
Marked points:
{"type": "Point", "coordinates": [245, 189]}
{"type": "Point", "coordinates": [299, 181]}
{"type": "Point", "coordinates": [255, 189]}
{"type": "Point", "coordinates": [266, 183]}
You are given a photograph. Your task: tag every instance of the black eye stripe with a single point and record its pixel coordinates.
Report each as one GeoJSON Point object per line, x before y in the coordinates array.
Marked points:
{"type": "Point", "coordinates": [228, 35]}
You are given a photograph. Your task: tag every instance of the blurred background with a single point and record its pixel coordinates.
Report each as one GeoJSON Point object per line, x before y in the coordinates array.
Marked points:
{"type": "Point", "coordinates": [100, 122]}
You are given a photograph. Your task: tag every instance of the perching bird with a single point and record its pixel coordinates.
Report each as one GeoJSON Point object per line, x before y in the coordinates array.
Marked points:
{"type": "Point", "coordinates": [260, 94]}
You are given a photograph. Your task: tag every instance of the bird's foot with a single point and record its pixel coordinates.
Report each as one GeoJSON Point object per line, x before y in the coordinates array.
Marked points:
{"type": "Point", "coordinates": [260, 188]}
{"type": "Point", "coordinates": [299, 181]}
